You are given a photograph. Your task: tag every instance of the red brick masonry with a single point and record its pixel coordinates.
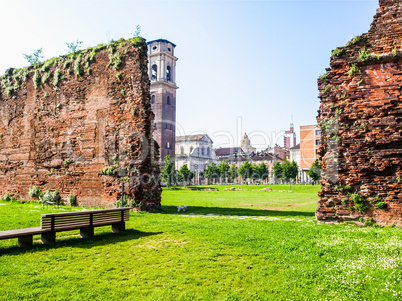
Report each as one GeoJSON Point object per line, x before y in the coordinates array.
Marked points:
{"type": "Point", "coordinates": [360, 116]}
{"type": "Point", "coordinates": [88, 112]}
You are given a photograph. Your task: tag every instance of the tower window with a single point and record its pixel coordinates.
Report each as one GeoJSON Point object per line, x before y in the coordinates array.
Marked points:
{"type": "Point", "coordinates": [169, 49]}
{"type": "Point", "coordinates": [168, 100]}
{"type": "Point", "coordinates": [154, 48]}
{"type": "Point", "coordinates": [182, 150]}
{"type": "Point", "coordinates": [191, 149]}
{"type": "Point", "coordinates": [168, 74]}
{"type": "Point", "coordinates": [154, 74]}
{"type": "Point", "coordinates": [152, 99]}
{"type": "Point", "coordinates": [167, 145]}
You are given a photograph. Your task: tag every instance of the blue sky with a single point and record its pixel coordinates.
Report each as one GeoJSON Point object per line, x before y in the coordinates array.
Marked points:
{"type": "Point", "coordinates": [244, 66]}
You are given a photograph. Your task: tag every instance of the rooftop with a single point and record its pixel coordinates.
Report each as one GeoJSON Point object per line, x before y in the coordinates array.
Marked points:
{"type": "Point", "coordinates": [161, 40]}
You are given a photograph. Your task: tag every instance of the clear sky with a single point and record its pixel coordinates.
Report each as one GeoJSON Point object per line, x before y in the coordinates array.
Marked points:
{"type": "Point", "coordinates": [244, 66]}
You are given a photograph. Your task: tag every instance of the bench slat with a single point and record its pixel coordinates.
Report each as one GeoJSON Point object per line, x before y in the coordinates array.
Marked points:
{"type": "Point", "coordinates": [21, 232]}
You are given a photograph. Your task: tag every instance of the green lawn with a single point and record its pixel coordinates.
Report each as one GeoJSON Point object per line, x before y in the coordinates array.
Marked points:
{"type": "Point", "coordinates": [277, 252]}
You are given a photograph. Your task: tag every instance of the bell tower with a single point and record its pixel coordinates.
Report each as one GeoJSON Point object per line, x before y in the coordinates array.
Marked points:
{"type": "Point", "coordinates": [162, 74]}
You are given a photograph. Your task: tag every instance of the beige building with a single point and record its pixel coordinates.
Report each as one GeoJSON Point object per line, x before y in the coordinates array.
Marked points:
{"type": "Point", "coordinates": [195, 151]}
{"type": "Point", "coordinates": [309, 143]}
{"type": "Point", "coordinates": [245, 145]}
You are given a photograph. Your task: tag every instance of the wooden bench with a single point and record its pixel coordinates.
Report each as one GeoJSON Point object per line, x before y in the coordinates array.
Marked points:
{"type": "Point", "coordinates": [85, 221]}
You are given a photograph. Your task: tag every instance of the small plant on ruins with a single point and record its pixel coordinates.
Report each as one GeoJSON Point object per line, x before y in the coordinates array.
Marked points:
{"type": "Point", "coordinates": [325, 89]}
{"type": "Point", "coordinates": [79, 71]}
{"type": "Point", "coordinates": [354, 41]}
{"type": "Point", "coordinates": [347, 187]}
{"type": "Point", "coordinates": [50, 197]}
{"type": "Point", "coordinates": [35, 57]}
{"type": "Point", "coordinates": [67, 162]}
{"type": "Point", "coordinates": [351, 208]}
{"type": "Point", "coordinates": [399, 180]}
{"type": "Point", "coordinates": [123, 92]}
{"type": "Point", "coordinates": [57, 77]}
{"type": "Point", "coordinates": [368, 222]}
{"type": "Point", "coordinates": [72, 200]}
{"type": "Point", "coordinates": [109, 171]}
{"type": "Point", "coordinates": [343, 201]}
{"type": "Point", "coordinates": [115, 159]}
{"type": "Point", "coordinates": [324, 77]}
{"type": "Point", "coordinates": [115, 60]}
{"type": "Point", "coordinates": [361, 207]}
{"type": "Point", "coordinates": [35, 191]}
{"type": "Point", "coordinates": [338, 111]}
{"type": "Point", "coordinates": [36, 79]}
{"type": "Point", "coordinates": [353, 70]}
{"type": "Point", "coordinates": [337, 52]}
{"type": "Point", "coordinates": [380, 205]}
{"type": "Point", "coordinates": [359, 83]}
{"type": "Point", "coordinates": [395, 51]}
{"type": "Point", "coordinates": [364, 55]}
{"type": "Point", "coordinates": [356, 198]}
{"type": "Point", "coordinates": [119, 75]}
{"type": "Point", "coordinates": [8, 198]}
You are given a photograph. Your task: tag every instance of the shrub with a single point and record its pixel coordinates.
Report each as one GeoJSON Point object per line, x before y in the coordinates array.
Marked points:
{"type": "Point", "coordinates": [8, 198]}
{"type": "Point", "coordinates": [72, 200]}
{"type": "Point", "coordinates": [356, 198]}
{"type": "Point", "coordinates": [324, 77]}
{"type": "Point", "coordinates": [336, 52]}
{"type": "Point", "coordinates": [35, 191]}
{"type": "Point", "coordinates": [52, 197]}
{"type": "Point", "coordinates": [115, 60]}
{"type": "Point", "coordinates": [57, 77]}
{"type": "Point", "coordinates": [368, 222]}
{"type": "Point", "coordinates": [380, 205]}
{"type": "Point", "coordinates": [37, 79]}
{"type": "Point", "coordinates": [363, 54]}
{"type": "Point", "coordinates": [355, 40]}
{"type": "Point", "coordinates": [361, 207]}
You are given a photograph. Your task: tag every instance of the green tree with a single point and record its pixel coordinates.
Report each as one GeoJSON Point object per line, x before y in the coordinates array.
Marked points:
{"type": "Point", "coordinates": [224, 168]}
{"type": "Point", "coordinates": [211, 172]}
{"type": "Point", "coordinates": [246, 170]}
{"type": "Point", "coordinates": [315, 171]}
{"type": "Point", "coordinates": [290, 170]}
{"type": "Point", "coordinates": [35, 57]}
{"type": "Point", "coordinates": [168, 173]}
{"type": "Point", "coordinates": [261, 171]}
{"type": "Point", "coordinates": [233, 172]}
{"type": "Point", "coordinates": [185, 175]}
{"type": "Point", "coordinates": [278, 170]}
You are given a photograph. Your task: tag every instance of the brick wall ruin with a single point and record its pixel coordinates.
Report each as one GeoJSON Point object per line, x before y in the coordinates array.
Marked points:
{"type": "Point", "coordinates": [360, 116]}
{"type": "Point", "coordinates": [81, 124]}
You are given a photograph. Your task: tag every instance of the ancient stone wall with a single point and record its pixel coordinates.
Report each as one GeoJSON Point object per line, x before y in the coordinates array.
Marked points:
{"type": "Point", "coordinates": [81, 124]}
{"type": "Point", "coordinates": [361, 120]}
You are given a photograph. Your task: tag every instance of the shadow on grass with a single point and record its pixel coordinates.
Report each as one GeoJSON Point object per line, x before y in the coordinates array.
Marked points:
{"type": "Point", "coordinates": [75, 241]}
{"type": "Point", "coordinates": [236, 211]}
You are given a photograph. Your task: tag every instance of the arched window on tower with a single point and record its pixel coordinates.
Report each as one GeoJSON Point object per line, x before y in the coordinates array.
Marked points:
{"type": "Point", "coordinates": [152, 99]}
{"type": "Point", "coordinates": [182, 150]}
{"type": "Point", "coordinates": [154, 74]}
{"type": "Point", "coordinates": [191, 149]}
{"type": "Point", "coordinates": [168, 100]}
{"type": "Point", "coordinates": [168, 74]}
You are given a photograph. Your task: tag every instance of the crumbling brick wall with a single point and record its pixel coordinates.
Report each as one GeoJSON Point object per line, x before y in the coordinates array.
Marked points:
{"type": "Point", "coordinates": [81, 124]}
{"type": "Point", "coordinates": [361, 120]}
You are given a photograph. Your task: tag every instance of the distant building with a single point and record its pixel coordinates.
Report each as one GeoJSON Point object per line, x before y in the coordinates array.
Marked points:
{"type": "Point", "coordinates": [294, 155]}
{"type": "Point", "coordinates": [162, 73]}
{"type": "Point", "coordinates": [278, 151]}
{"type": "Point", "coordinates": [195, 151]}
{"type": "Point", "coordinates": [289, 138]}
{"type": "Point", "coordinates": [309, 143]}
{"type": "Point", "coordinates": [245, 145]}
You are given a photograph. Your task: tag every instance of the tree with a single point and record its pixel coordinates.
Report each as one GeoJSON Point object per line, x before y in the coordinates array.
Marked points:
{"type": "Point", "coordinates": [35, 57]}
{"type": "Point", "coordinates": [261, 171]}
{"type": "Point", "coordinates": [233, 172]}
{"type": "Point", "coordinates": [223, 169]}
{"type": "Point", "coordinates": [315, 171]}
{"type": "Point", "coordinates": [290, 170]}
{"type": "Point", "coordinates": [246, 170]}
{"type": "Point", "coordinates": [73, 47]}
{"type": "Point", "coordinates": [211, 172]}
{"type": "Point", "coordinates": [278, 170]}
{"type": "Point", "coordinates": [185, 175]}
{"type": "Point", "coordinates": [168, 173]}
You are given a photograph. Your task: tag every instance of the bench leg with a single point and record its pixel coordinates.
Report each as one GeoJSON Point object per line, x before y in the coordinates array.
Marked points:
{"type": "Point", "coordinates": [25, 241]}
{"type": "Point", "coordinates": [120, 227]}
{"type": "Point", "coordinates": [48, 238]}
{"type": "Point", "coordinates": [87, 232]}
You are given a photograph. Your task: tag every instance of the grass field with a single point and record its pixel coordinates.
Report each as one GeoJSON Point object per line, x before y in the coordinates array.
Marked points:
{"type": "Point", "coordinates": [260, 246]}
